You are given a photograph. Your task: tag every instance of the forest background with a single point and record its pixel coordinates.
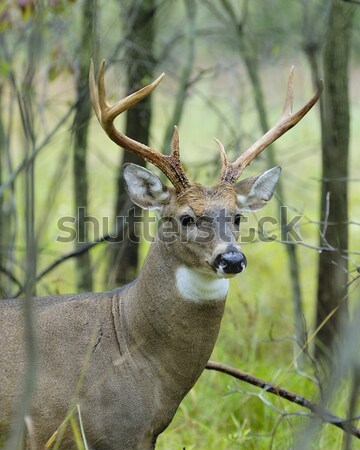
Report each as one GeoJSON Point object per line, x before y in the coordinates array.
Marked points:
{"type": "Point", "coordinates": [291, 317]}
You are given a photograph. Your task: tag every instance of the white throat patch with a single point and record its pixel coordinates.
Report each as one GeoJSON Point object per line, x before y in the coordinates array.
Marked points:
{"type": "Point", "coordinates": [197, 287]}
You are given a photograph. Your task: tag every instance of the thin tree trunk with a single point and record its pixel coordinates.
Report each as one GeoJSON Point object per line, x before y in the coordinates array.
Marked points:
{"type": "Point", "coordinates": [26, 108]}
{"type": "Point", "coordinates": [8, 212]}
{"type": "Point", "coordinates": [333, 265]}
{"type": "Point", "coordinates": [140, 63]}
{"type": "Point", "coordinates": [184, 78]}
{"type": "Point", "coordinates": [3, 215]}
{"type": "Point", "coordinates": [291, 250]}
{"type": "Point", "coordinates": [249, 55]}
{"type": "Point", "coordinates": [80, 134]}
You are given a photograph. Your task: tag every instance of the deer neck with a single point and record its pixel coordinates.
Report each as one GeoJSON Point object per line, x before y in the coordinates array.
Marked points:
{"type": "Point", "coordinates": [173, 318]}
{"type": "Point", "coordinates": [170, 285]}
{"type": "Point", "coordinates": [178, 280]}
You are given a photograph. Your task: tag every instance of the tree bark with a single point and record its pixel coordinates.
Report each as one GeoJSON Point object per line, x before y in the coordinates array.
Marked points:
{"type": "Point", "coordinates": [140, 63]}
{"type": "Point", "coordinates": [80, 135]}
{"type": "Point", "coordinates": [333, 265]}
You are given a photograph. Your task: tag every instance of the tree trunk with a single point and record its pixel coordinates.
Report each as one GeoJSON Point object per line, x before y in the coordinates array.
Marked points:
{"type": "Point", "coordinates": [8, 229]}
{"type": "Point", "coordinates": [4, 238]}
{"type": "Point", "coordinates": [291, 250]}
{"type": "Point", "coordinates": [250, 58]}
{"type": "Point", "coordinates": [80, 134]}
{"type": "Point", "coordinates": [140, 63]}
{"type": "Point", "coordinates": [333, 266]}
{"type": "Point", "coordinates": [184, 78]}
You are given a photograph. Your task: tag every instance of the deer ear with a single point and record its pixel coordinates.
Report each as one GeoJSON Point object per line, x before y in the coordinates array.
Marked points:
{"type": "Point", "coordinates": [145, 189]}
{"type": "Point", "coordinates": [253, 193]}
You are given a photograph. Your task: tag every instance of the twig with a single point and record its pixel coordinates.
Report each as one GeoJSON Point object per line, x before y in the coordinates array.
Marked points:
{"type": "Point", "coordinates": [73, 254]}
{"type": "Point", "coordinates": [318, 410]}
{"type": "Point", "coordinates": [325, 222]}
{"type": "Point", "coordinates": [110, 237]}
{"type": "Point", "coordinates": [38, 148]}
{"type": "Point", "coordinates": [12, 277]}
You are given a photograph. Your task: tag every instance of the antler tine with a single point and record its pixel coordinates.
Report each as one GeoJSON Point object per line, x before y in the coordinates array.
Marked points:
{"type": "Point", "coordinates": [289, 99]}
{"type": "Point", "coordinates": [223, 155]}
{"type": "Point", "coordinates": [169, 164]}
{"type": "Point", "coordinates": [175, 151]}
{"type": "Point", "coordinates": [230, 172]}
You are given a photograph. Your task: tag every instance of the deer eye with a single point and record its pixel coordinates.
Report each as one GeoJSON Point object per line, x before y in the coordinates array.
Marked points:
{"type": "Point", "coordinates": [237, 219]}
{"type": "Point", "coordinates": [186, 220]}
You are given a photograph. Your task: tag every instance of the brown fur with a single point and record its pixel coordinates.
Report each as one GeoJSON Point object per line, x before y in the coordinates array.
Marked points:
{"type": "Point", "coordinates": [126, 357]}
{"type": "Point", "coordinates": [202, 198]}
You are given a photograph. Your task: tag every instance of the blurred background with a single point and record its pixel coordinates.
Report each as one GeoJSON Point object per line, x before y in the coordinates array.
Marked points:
{"type": "Point", "coordinates": [291, 318]}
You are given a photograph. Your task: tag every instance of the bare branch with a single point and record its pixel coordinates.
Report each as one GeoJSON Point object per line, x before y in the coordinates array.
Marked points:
{"type": "Point", "coordinates": [37, 149]}
{"type": "Point", "coordinates": [12, 277]}
{"type": "Point", "coordinates": [316, 409]}
{"type": "Point", "coordinates": [73, 254]}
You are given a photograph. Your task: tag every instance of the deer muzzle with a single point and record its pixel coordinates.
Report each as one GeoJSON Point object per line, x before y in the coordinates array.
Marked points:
{"type": "Point", "coordinates": [231, 262]}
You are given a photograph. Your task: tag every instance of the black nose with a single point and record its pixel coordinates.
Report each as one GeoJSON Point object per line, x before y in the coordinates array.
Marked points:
{"type": "Point", "coordinates": [231, 262]}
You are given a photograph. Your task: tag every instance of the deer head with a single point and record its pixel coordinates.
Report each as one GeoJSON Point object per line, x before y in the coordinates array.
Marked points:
{"type": "Point", "coordinates": [201, 214]}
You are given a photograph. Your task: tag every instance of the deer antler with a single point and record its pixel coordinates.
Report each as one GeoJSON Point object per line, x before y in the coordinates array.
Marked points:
{"type": "Point", "coordinates": [230, 172]}
{"type": "Point", "coordinates": [169, 165]}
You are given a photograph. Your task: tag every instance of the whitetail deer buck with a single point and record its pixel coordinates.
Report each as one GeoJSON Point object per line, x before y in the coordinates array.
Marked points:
{"type": "Point", "coordinates": [128, 357]}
